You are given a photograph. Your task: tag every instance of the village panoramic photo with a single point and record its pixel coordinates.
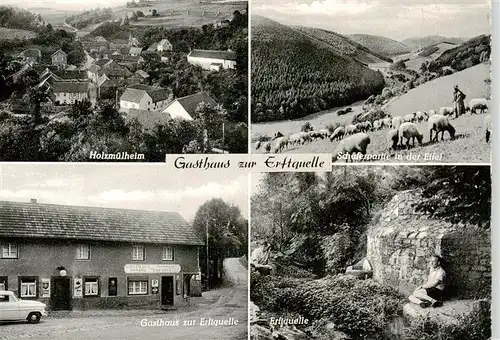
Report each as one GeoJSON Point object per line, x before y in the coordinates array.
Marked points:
{"type": "Point", "coordinates": [123, 81]}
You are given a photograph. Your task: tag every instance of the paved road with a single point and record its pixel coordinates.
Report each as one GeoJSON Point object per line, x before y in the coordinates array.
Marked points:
{"type": "Point", "coordinates": [232, 309]}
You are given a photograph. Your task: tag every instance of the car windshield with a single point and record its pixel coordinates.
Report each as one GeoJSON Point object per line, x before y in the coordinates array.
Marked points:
{"type": "Point", "coordinates": [13, 298]}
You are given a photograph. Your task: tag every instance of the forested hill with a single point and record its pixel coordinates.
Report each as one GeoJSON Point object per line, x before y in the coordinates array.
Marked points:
{"type": "Point", "coordinates": [421, 42]}
{"type": "Point", "coordinates": [294, 74]}
{"type": "Point", "coordinates": [344, 45]}
{"type": "Point", "coordinates": [13, 17]}
{"type": "Point", "coordinates": [381, 45]}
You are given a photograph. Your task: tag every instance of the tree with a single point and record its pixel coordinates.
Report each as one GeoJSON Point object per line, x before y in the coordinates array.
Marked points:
{"type": "Point", "coordinates": [227, 234]}
{"type": "Point", "coordinates": [459, 194]}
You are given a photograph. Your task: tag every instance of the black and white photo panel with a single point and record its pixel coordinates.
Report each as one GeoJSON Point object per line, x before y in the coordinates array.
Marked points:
{"type": "Point", "coordinates": [86, 254]}
{"type": "Point", "coordinates": [380, 81]}
{"type": "Point", "coordinates": [90, 80]}
{"type": "Point", "coordinates": [371, 252]}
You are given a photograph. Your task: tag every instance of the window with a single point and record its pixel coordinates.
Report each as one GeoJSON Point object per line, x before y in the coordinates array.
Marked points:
{"type": "Point", "coordinates": [137, 253]}
{"type": "Point", "coordinates": [28, 287]}
{"type": "Point", "coordinates": [168, 253]}
{"type": "Point", "coordinates": [91, 286]}
{"type": "Point", "coordinates": [83, 252]}
{"type": "Point", "coordinates": [138, 287]}
{"type": "Point", "coordinates": [9, 251]}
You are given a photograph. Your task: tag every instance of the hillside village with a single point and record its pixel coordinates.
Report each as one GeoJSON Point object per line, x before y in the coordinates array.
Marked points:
{"type": "Point", "coordinates": [150, 85]}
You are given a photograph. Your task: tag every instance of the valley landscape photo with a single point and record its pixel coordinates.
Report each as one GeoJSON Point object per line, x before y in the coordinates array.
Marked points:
{"type": "Point", "coordinates": [341, 77]}
{"type": "Point", "coordinates": [139, 78]}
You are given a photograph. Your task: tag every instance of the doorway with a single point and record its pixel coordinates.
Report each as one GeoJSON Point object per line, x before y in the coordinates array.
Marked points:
{"type": "Point", "coordinates": [167, 290]}
{"type": "Point", "coordinates": [61, 294]}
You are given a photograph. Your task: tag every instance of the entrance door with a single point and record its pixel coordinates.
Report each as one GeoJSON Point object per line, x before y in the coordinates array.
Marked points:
{"type": "Point", "coordinates": [167, 290]}
{"type": "Point", "coordinates": [60, 297]}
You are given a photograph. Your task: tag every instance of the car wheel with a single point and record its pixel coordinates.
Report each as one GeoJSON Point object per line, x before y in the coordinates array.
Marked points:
{"type": "Point", "coordinates": [34, 317]}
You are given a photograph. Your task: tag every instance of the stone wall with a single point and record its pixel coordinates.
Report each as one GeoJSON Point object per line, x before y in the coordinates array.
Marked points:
{"type": "Point", "coordinates": [401, 241]}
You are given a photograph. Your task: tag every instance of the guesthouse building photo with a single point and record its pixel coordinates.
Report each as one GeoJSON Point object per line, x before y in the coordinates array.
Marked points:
{"type": "Point", "coordinates": [76, 257]}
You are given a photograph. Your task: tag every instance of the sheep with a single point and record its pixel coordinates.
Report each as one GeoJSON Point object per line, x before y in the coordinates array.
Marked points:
{"type": "Point", "coordinates": [324, 133]}
{"type": "Point", "coordinates": [266, 146]}
{"type": "Point", "coordinates": [409, 118]}
{"type": "Point", "coordinates": [487, 126]}
{"type": "Point", "coordinates": [280, 144]}
{"type": "Point", "coordinates": [421, 116]}
{"type": "Point", "coordinates": [446, 111]}
{"type": "Point", "coordinates": [352, 145]}
{"type": "Point", "coordinates": [351, 129]}
{"type": "Point", "coordinates": [387, 122]}
{"type": "Point", "coordinates": [360, 126]}
{"type": "Point", "coordinates": [295, 138]}
{"type": "Point", "coordinates": [305, 137]}
{"type": "Point", "coordinates": [348, 109]}
{"type": "Point", "coordinates": [393, 138]}
{"type": "Point", "coordinates": [277, 135]}
{"type": "Point", "coordinates": [478, 104]}
{"type": "Point", "coordinates": [440, 123]}
{"type": "Point", "coordinates": [396, 122]}
{"type": "Point", "coordinates": [315, 134]}
{"type": "Point", "coordinates": [337, 134]}
{"type": "Point", "coordinates": [376, 125]}
{"type": "Point", "coordinates": [367, 126]}
{"type": "Point", "coordinates": [409, 131]}
{"type": "Point", "coordinates": [430, 113]}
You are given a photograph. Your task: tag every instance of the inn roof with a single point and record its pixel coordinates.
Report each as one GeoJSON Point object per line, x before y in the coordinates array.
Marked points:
{"type": "Point", "coordinates": [212, 54]}
{"type": "Point", "coordinates": [50, 221]}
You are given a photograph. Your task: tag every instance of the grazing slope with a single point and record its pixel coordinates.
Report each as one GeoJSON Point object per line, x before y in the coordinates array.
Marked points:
{"type": "Point", "coordinates": [380, 45]}
{"type": "Point", "coordinates": [294, 75]}
{"type": "Point", "coordinates": [439, 92]}
{"type": "Point", "coordinates": [422, 42]}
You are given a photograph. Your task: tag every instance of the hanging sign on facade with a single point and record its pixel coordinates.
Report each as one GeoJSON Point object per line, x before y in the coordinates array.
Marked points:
{"type": "Point", "coordinates": [78, 287]}
{"type": "Point", "coordinates": [45, 288]}
{"type": "Point", "coordinates": [151, 268]}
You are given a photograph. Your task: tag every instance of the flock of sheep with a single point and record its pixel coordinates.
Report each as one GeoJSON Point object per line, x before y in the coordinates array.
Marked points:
{"type": "Point", "coordinates": [353, 138]}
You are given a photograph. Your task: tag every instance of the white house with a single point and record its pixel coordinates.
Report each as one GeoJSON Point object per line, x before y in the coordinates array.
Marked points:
{"type": "Point", "coordinates": [68, 92]}
{"type": "Point", "coordinates": [185, 107]}
{"type": "Point", "coordinates": [212, 60]}
{"type": "Point", "coordinates": [144, 97]}
{"type": "Point", "coordinates": [164, 45]}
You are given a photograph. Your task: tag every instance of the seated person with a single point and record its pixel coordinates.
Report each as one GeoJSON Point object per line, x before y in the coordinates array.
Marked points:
{"type": "Point", "coordinates": [260, 258]}
{"type": "Point", "coordinates": [431, 293]}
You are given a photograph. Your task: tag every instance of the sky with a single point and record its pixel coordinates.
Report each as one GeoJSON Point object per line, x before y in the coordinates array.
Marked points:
{"type": "Point", "coordinates": [128, 186]}
{"type": "Point", "coordinates": [395, 19]}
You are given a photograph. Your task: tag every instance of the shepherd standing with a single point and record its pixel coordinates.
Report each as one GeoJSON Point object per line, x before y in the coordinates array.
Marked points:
{"type": "Point", "coordinates": [458, 102]}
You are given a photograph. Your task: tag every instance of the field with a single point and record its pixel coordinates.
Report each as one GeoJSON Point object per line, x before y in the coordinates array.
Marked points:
{"type": "Point", "coordinates": [12, 33]}
{"type": "Point", "coordinates": [183, 13]}
{"type": "Point", "coordinates": [468, 147]}
{"type": "Point", "coordinates": [416, 60]}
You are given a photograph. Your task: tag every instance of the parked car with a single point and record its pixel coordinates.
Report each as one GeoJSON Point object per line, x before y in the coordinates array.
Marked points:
{"type": "Point", "coordinates": [14, 309]}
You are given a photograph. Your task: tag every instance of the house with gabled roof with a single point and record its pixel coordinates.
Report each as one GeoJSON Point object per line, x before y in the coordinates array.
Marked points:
{"type": "Point", "coordinates": [144, 97]}
{"type": "Point", "coordinates": [185, 107]}
{"type": "Point", "coordinates": [59, 58]}
{"type": "Point", "coordinates": [212, 60]}
{"type": "Point", "coordinates": [97, 257]}
{"type": "Point", "coordinates": [32, 56]}
{"type": "Point", "coordinates": [69, 92]}
{"type": "Point", "coordinates": [164, 45]}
